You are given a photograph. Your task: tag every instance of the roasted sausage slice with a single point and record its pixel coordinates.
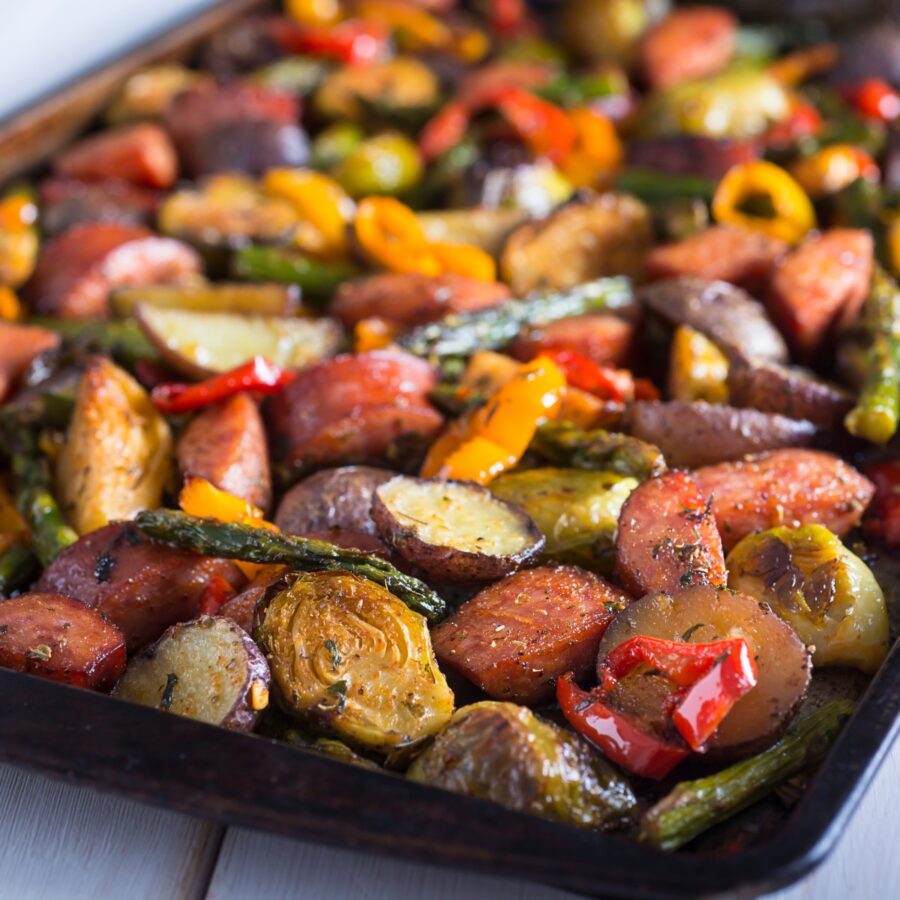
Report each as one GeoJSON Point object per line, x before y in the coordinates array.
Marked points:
{"type": "Point", "coordinates": [667, 537]}
{"type": "Point", "coordinates": [77, 270]}
{"type": "Point", "coordinates": [19, 345]}
{"type": "Point", "coordinates": [142, 154]}
{"type": "Point", "coordinates": [66, 202]}
{"type": "Point", "coordinates": [740, 257]}
{"type": "Point", "coordinates": [408, 299]}
{"type": "Point", "coordinates": [820, 287]}
{"type": "Point", "coordinates": [350, 408]}
{"type": "Point", "coordinates": [57, 637]}
{"type": "Point", "coordinates": [604, 338]}
{"type": "Point", "coordinates": [784, 487]}
{"type": "Point", "coordinates": [700, 434]}
{"type": "Point", "coordinates": [142, 586]}
{"type": "Point", "coordinates": [514, 638]}
{"type": "Point", "coordinates": [226, 444]}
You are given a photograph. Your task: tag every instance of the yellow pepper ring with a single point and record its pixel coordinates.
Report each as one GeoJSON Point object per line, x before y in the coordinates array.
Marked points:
{"type": "Point", "coordinates": [463, 259]}
{"type": "Point", "coordinates": [390, 235]}
{"type": "Point", "coordinates": [794, 213]}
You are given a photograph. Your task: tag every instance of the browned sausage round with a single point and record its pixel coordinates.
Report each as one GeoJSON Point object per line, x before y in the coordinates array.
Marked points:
{"type": "Point", "coordinates": [140, 585]}
{"type": "Point", "coordinates": [66, 202]}
{"type": "Point", "coordinates": [514, 638]}
{"type": "Point", "coordinates": [667, 537]}
{"type": "Point", "coordinates": [226, 444]}
{"type": "Point", "coordinates": [604, 338]}
{"type": "Point", "coordinates": [350, 408]}
{"type": "Point", "coordinates": [784, 487]}
{"type": "Point", "coordinates": [78, 269]}
{"type": "Point", "coordinates": [59, 638]}
{"type": "Point", "coordinates": [727, 254]}
{"type": "Point", "coordinates": [821, 287]}
{"type": "Point", "coordinates": [409, 299]}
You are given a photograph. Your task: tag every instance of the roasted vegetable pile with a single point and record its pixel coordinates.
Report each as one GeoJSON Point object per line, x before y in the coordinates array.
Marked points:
{"type": "Point", "coordinates": [511, 404]}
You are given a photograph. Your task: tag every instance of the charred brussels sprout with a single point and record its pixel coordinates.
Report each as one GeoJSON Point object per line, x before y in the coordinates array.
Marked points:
{"type": "Point", "coordinates": [608, 30]}
{"type": "Point", "coordinates": [576, 510]}
{"type": "Point", "coordinates": [351, 659]}
{"type": "Point", "coordinates": [824, 592]}
{"type": "Point", "coordinates": [388, 163]}
{"type": "Point", "coordinates": [503, 752]}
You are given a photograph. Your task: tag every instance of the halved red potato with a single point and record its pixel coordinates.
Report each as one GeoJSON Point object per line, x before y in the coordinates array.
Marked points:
{"type": "Point", "coordinates": [142, 154]}
{"type": "Point", "coordinates": [700, 434]}
{"type": "Point", "coordinates": [19, 345]}
{"type": "Point", "coordinates": [142, 586]}
{"type": "Point", "coordinates": [667, 537]}
{"type": "Point", "coordinates": [516, 637]}
{"type": "Point", "coordinates": [351, 408]}
{"type": "Point", "coordinates": [821, 286]}
{"type": "Point", "coordinates": [604, 338]}
{"type": "Point", "coordinates": [784, 487]}
{"type": "Point", "coordinates": [200, 344]}
{"type": "Point", "coordinates": [209, 669]}
{"type": "Point", "coordinates": [77, 270]}
{"type": "Point", "coordinates": [688, 43]}
{"type": "Point", "coordinates": [454, 530]}
{"type": "Point", "coordinates": [721, 253]}
{"type": "Point", "coordinates": [333, 499]}
{"type": "Point", "coordinates": [56, 637]}
{"type": "Point", "coordinates": [410, 299]}
{"type": "Point", "coordinates": [226, 444]}
{"type": "Point", "coordinates": [702, 614]}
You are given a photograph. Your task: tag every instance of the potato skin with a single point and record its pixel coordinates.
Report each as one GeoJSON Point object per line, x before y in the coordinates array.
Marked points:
{"type": "Point", "coordinates": [19, 345]}
{"type": "Point", "coordinates": [784, 487]}
{"type": "Point", "coordinates": [604, 338]}
{"type": "Point", "coordinates": [788, 390]}
{"type": "Point", "coordinates": [242, 607]}
{"type": "Point", "coordinates": [142, 586]}
{"type": "Point", "coordinates": [350, 408]}
{"type": "Point", "coordinates": [77, 270]}
{"type": "Point", "coordinates": [516, 637]}
{"type": "Point", "coordinates": [701, 434]}
{"type": "Point", "coordinates": [332, 499]}
{"type": "Point", "coordinates": [410, 299]}
{"type": "Point", "coordinates": [758, 718]}
{"type": "Point", "coordinates": [56, 637]}
{"type": "Point", "coordinates": [667, 537]}
{"type": "Point", "coordinates": [450, 561]}
{"type": "Point", "coordinates": [117, 457]}
{"type": "Point", "coordinates": [226, 444]}
{"type": "Point", "coordinates": [586, 238]}
{"type": "Point", "coordinates": [230, 665]}
{"type": "Point", "coordinates": [743, 258]}
{"type": "Point", "coordinates": [728, 316]}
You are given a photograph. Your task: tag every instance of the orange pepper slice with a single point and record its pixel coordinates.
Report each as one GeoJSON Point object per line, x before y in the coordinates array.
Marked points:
{"type": "Point", "coordinates": [463, 259]}
{"type": "Point", "coordinates": [10, 307]}
{"type": "Point", "coordinates": [373, 333]}
{"type": "Point", "coordinates": [477, 459]}
{"type": "Point", "coordinates": [597, 151]}
{"type": "Point", "coordinates": [415, 28]}
{"type": "Point", "coordinates": [390, 235]}
{"type": "Point", "coordinates": [833, 168]}
{"type": "Point", "coordinates": [313, 12]}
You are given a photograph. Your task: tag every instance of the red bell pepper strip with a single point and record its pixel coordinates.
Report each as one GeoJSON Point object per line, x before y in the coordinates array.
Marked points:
{"type": "Point", "coordinates": [875, 99]}
{"type": "Point", "coordinates": [510, 18]}
{"type": "Point", "coordinates": [257, 375]}
{"type": "Point", "coordinates": [884, 518]}
{"type": "Point", "coordinates": [711, 677]}
{"type": "Point", "coordinates": [623, 741]}
{"type": "Point", "coordinates": [645, 389]}
{"type": "Point", "coordinates": [354, 42]}
{"type": "Point", "coordinates": [802, 121]}
{"type": "Point", "coordinates": [216, 592]}
{"type": "Point", "coordinates": [444, 130]}
{"type": "Point", "coordinates": [583, 373]}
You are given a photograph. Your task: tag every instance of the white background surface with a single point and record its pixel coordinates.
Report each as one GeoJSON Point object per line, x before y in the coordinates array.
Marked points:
{"type": "Point", "coordinates": [67, 843]}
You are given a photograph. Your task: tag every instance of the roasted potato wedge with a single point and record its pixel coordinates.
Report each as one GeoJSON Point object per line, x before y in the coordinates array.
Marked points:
{"type": "Point", "coordinates": [589, 237]}
{"type": "Point", "coordinates": [208, 669]}
{"type": "Point", "coordinates": [827, 594]}
{"type": "Point", "coordinates": [200, 344]}
{"type": "Point", "coordinates": [332, 499]}
{"type": "Point", "coordinates": [576, 510]}
{"type": "Point", "coordinates": [704, 613]}
{"type": "Point", "coordinates": [484, 228]}
{"type": "Point", "coordinates": [117, 458]}
{"type": "Point", "coordinates": [226, 444]}
{"type": "Point", "coordinates": [504, 753]}
{"type": "Point", "coordinates": [56, 637]}
{"type": "Point", "coordinates": [454, 530]}
{"type": "Point", "coordinates": [350, 658]}
{"type": "Point", "coordinates": [701, 434]}
{"type": "Point", "coordinates": [203, 297]}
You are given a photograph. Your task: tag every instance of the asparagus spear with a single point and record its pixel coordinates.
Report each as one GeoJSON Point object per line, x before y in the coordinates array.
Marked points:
{"type": "Point", "coordinates": [248, 544]}
{"type": "Point", "coordinates": [462, 334]}
{"type": "Point", "coordinates": [123, 340]}
{"type": "Point", "coordinates": [277, 264]}
{"type": "Point", "coordinates": [597, 449]}
{"type": "Point", "coordinates": [877, 412]}
{"type": "Point", "coordinates": [694, 806]}
{"type": "Point", "coordinates": [18, 566]}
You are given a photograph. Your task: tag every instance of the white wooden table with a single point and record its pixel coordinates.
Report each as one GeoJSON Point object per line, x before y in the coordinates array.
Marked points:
{"type": "Point", "coordinates": [61, 841]}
